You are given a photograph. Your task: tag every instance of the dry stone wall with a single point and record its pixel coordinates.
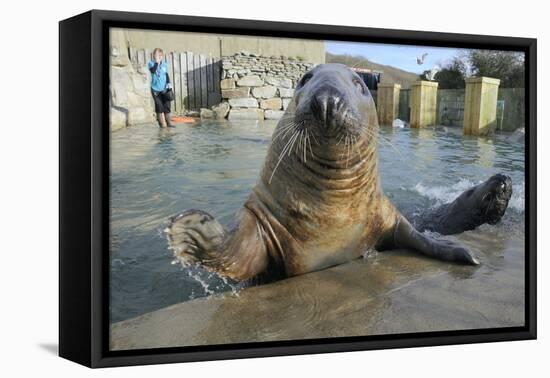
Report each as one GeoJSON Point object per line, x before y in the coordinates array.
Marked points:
{"type": "Point", "coordinates": [255, 87]}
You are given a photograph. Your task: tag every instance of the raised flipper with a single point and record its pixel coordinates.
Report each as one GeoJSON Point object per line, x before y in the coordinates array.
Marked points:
{"type": "Point", "coordinates": [406, 236]}
{"type": "Point", "coordinates": [198, 238]}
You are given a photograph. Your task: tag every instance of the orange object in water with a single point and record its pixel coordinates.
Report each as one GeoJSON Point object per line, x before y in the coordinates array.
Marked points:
{"type": "Point", "coordinates": [182, 119]}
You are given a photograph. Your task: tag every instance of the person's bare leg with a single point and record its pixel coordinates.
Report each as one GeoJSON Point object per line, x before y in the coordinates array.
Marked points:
{"type": "Point", "coordinates": [161, 120]}
{"type": "Point", "coordinates": [167, 117]}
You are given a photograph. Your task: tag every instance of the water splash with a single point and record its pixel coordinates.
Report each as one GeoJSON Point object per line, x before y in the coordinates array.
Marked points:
{"type": "Point", "coordinates": [517, 201]}
{"type": "Point", "coordinates": [211, 283]}
{"type": "Point", "coordinates": [445, 194]}
{"type": "Point", "coordinates": [196, 275]}
{"type": "Point", "coordinates": [370, 253]}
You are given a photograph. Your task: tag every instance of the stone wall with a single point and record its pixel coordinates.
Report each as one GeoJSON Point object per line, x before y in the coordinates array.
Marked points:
{"type": "Point", "coordinates": [257, 87]}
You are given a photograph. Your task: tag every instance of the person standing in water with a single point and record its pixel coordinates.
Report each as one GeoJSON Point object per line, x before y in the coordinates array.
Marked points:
{"type": "Point", "coordinates": [160, 82]}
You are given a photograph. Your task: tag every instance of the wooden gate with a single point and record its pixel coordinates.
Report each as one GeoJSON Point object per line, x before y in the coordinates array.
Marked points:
{"type": "Point", "coordinates": [195, 78]}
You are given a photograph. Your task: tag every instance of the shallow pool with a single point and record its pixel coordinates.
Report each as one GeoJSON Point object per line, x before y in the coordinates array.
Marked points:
{"type": "Point", "coordinates": [213, 166]}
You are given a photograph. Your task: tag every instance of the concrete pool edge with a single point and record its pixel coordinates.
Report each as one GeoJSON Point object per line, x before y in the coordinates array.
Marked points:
{"type": "Point", "coordinates": [394, 292]}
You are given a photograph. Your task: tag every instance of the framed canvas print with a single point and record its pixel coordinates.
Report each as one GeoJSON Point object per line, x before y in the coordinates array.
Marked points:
{"type": "Point", "coordinates": [236, 188]}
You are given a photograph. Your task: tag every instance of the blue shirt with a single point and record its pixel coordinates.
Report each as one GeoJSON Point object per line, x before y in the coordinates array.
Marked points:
{"type": "Point", "coordinates": [159, 73]}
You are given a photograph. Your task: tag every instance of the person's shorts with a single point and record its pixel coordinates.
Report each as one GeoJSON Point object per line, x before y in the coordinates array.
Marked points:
{"type": "Point", "coordinates": [161, 105]}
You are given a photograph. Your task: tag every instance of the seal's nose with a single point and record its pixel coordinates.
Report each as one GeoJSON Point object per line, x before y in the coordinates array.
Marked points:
{"type": "Point", "coordinates": [326, 103]}
{"type": "Point", "coordinates": [502, 184]}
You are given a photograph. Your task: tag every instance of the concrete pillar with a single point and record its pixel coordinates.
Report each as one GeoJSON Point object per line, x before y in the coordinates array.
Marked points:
{"type": "Point", "coordinates": [423, 103]}
{"type": "Point", "coordinates": [388, 102]}
{"type": "Point", "coordinates": [480, 105]}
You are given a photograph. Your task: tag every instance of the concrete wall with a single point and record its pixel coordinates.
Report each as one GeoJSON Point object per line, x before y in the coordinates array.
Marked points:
{"type": "Point", "coordinates": [450, 108]}
{"type": "Point", "coordinates": [218, 45]}
{"type": "Point", "coordinates": [514, 108]}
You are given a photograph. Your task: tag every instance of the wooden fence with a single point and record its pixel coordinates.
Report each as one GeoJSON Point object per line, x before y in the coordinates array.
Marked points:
{"type": "Point", "coordinates": [195, 78]}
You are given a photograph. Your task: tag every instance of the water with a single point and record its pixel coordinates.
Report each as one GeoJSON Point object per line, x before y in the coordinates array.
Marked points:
{"type": "Point", "coordinates": [213, 166]}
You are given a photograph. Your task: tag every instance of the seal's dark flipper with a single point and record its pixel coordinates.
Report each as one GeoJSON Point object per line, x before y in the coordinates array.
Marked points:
{"type": "Point", "coordinates": [197, 238]}
{"type": "Point", "coordinates": [406, 236]}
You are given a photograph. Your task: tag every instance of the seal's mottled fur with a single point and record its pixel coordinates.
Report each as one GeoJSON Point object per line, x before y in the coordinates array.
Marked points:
{"type": "Point", "coordinates": [318, 201]}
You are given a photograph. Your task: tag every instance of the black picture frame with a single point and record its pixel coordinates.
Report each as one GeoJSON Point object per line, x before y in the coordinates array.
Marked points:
{"type": "Point", "coordinates": [84, 188]}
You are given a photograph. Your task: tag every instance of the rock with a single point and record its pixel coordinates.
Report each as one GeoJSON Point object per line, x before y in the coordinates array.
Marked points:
{"type": "Point", "coordinates": [271, 104]}
{"type": "Point", "coordinates": [227, 84]}
{"type": "Point", "coordinates": [279, 81]}
{"type": "Point", "coordinates": [142, 86]}
{"type": "Point", "coordinates": [207, 113]}
{"type": "Point", "coordinates": [135, 100]}
{"type": "Point", "coordinates": [250, 81]}
{"type": "Point", "coordinates": [267, 91]}
{"type": "Point", "coordinates": [221, 110]}
{"type": "Point", "coordinates": [286, 101]}
{"type": "Point", "coordinates": [118, 119]}
{"type": "Point", "coordinates": [236, 93]}
{"type": "Point", "coordinates": [118, 59]}
{"type": "Point", "coordinates": [399, 123]}
{"type": "Point", "coordinates": [245, 102]}
{"type": "Point", "coordinates": [138, 115]}
{"type": "Point", "coordinates": [243, 114]}
{"type": "Point", "coordinates": [517, 136]}
{"type": "Point", "coordinates": [144, 72]}
{"type": "Point", "coordinates": [273, 114]}
{"type": "Point", "coordinates": [192, 113]}
{"type": "Point", "coordinates": [119, 91]}
{"type": "Point", "coordinates": [286, 92]}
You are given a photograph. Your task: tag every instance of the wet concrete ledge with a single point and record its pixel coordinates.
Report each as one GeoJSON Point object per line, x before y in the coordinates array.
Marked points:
{"type": "Point", "coordinates": [392, 292]}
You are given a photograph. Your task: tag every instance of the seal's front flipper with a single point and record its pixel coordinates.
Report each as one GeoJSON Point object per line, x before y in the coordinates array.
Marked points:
{"type": "Point", "coordinates": [406, 236]}
{"type": "Point", "coordinates": [197, 238]}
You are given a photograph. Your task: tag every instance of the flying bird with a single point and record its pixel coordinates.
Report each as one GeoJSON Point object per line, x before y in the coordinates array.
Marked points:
{"type": "Point", "coordinates": [420, 59]}
{"type": "Point", "coordinates": [430, 75]}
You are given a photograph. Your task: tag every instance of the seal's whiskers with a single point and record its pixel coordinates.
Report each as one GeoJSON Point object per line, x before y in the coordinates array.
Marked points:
{"type": "Point", "coordinates": [309, 143]}
{"type": "Point", "coordinates": [376, 134]}
{"type": "Point", "coordinates": [358, 149]}
{"type": "Point", "coordinates": [348, 143]}
{"type": "Point", "coordinates": [283, 129]}
{"type": "Point", "coordinates": [288, 146]}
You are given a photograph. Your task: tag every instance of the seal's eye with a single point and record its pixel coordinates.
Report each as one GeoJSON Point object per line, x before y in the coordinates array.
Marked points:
{"type": "Point", "coordinates": [359, 85]}
{"type": "Point", "coordinates": [305, 79]}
